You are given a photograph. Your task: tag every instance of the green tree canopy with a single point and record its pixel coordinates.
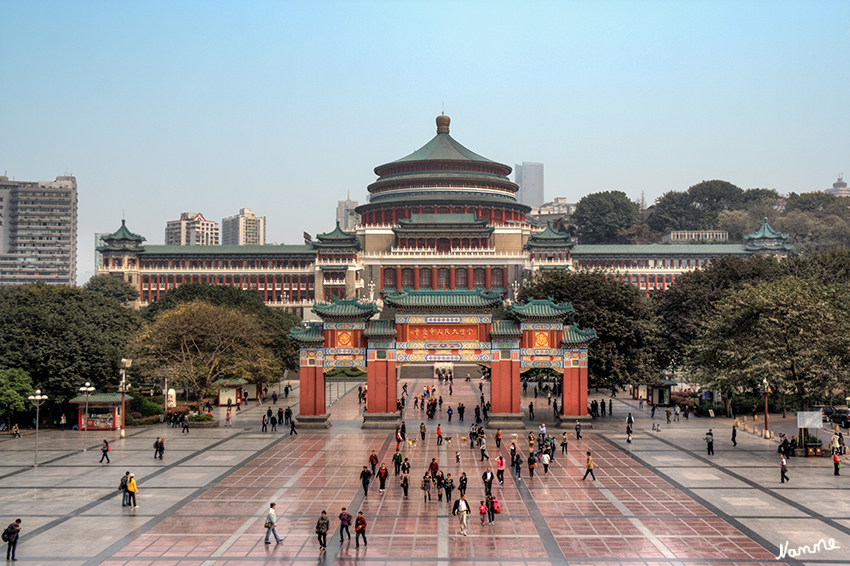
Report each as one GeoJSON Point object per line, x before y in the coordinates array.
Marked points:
{"type": "Point", "coordinates": [601, 218]}
{"type": "Point", "coordinates": [277, 321]}
{"type": "Point", "coordinates": [698, 207]}
{"type": "Point", "coordinates": [15, 387]}
{"type": "Point", "coordinates": [624, 319]}
{"type": "Point", "coordinates": [200, 343]}
{"type": "Point", "coordinates": [115, 287]}
{"type": "Point", "coordinates": [63, 336]}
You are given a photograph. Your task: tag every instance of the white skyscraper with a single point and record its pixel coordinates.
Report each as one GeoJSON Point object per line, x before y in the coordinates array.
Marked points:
{"type": "Point", "coordinates": [529, 177]}
{"type": "Point", "coordinates": [191, 230]}
{"type": "Point", "coordinates": [244, 229]}
{"type": "Point", "coordinates": [345, 214]}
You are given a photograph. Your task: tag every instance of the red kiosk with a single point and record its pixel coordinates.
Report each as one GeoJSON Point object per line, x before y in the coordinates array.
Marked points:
{"type": "Point", "coordinates": [104, 411]}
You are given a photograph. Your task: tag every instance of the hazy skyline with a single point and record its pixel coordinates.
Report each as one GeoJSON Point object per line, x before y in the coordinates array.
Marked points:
{"type": "Point", "coordinates": [160, 108]}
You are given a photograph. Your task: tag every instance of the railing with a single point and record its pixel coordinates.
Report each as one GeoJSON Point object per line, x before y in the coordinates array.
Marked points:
{"type": "Point", "coordinates": [403, 252]}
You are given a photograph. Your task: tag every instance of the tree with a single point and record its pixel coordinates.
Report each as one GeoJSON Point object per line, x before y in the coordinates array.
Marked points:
{"type": "Point", "coordinates": [792, 332]}
{"type": "Point", "coordinates": [115, 287]}
{"type": "Point", "coordinates": [278, 322]}
{"type": "Point", "coordinates": [674, 211]}
{"type": "Point", "coordinates": [63, 336]}
{"type": "Point", "coordinates": [200, 343]}
{"type": "Point", "coordinates": [712, 197]}
{"type": "Point", "coordinates": [601, 217]}
{"type": "Point", "coordinates": [688, 303]}
{"type": "Point", "coordinates": [625, 321]}
{"type": "Point", "coordinates": [15, 387]}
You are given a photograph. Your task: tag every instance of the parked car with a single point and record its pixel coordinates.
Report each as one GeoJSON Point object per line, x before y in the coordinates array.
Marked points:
{"type": "Point", "coordinates": [826, 411]}
{"type": "Point", "coordinates": [841, 417]}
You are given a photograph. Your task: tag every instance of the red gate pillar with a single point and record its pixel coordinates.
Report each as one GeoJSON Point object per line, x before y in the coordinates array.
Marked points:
{"type": "Point", "coordinates": [311, 412]}
{"type": "Point", "coordinates": [382, 391]}
{"type": "Point", "coordinates": [574, 401]}
{"type": "Point", "coordinates": [505, 389]}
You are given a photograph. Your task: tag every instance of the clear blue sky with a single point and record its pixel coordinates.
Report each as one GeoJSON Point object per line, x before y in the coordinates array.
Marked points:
{"type": "Point", "coordinates": [164, 107]}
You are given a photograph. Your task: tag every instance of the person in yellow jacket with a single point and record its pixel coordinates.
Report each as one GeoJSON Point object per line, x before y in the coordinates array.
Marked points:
{"type": "Point", "coordinates": [132, 490]}
{"type": "Point", "coordinates": [589, 467]}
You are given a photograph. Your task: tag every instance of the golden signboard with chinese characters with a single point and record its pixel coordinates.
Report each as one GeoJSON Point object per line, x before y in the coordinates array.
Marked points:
{"type": "Point", "coordinates": [467, 332]}
{"type": "Point", "coordinates": [343, 339]}
{"type": "Point", "coordinates": [541, 339]}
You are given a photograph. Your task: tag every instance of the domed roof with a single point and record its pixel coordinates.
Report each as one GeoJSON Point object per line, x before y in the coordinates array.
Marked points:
{"type": "Point", "coordinates": [443, 147]}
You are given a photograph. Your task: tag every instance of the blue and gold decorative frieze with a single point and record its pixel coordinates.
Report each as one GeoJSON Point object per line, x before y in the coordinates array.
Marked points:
{"type": "Point", "coordinates": [541, 326]}
{"type": "Point", "coordinates": [441, 319]}
{"type": "Point", "coordinates": [345, 326]}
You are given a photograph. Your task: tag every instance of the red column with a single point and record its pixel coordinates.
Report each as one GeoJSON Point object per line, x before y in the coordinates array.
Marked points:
{"type": "Point", "coordinates": [397, 277]}
{"type": "Point", "coordinates": [469, 278]}
{"type": "Point", "coordinates": [416, 278]}
{"type": "Point", "coordinates": [394, 217]}
{"type": "Point", "coordinates": [656, 281]}
{"type": "Point", "coordinates": [434, 278]}
{"type": "Point", "coordinates": [157, 287]}
{"type": "Point", "coordinates": [290, 288]}
{"type": "Point", "coordinates": [452, 278]}
{"type": "Point", "coordinates": [488, 277]}
{"type": "Point", "coordinates": [299, 287]}
{"type": "Point", "coordinates": [266, 288]}
{"type": "Point", "coordinates": [381, 283]}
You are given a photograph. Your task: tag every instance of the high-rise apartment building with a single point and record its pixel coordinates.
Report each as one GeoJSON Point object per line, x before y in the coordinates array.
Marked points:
{"type": "Point", "coordinates": [345, 214]}
{"type": "Point", "coordinates": [839, 188]}
{"type": "Point", "coordinates": [244, 229]}
{"type": "Point", "coordinates": [529, 177]}
{"type": "Point", "coordinates": [191, 230]}
{"type": "Point", "coordinates": [38, 231]}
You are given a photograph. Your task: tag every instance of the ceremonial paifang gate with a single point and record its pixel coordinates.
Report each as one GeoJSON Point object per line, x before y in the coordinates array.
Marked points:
{"type": "Point", "coordinates": [430, 326]}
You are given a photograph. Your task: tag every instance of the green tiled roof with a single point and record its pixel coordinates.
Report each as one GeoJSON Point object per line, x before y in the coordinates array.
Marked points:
{"type": "Point", "coordinates": [383, 328]}
{"type": "Point", "coordinates": [541, 309]}
{"type": "Point", "coordinates": [766, 233]}
{"type": "Point", "coordinates": [234, 250]}
{"type": "Point", "coordinates": [122, 240]}
{"type": "Point", "coordinates": [457, 299]}
{"type": "Point", "coordinates": [345, 308]}
{"type": "Point", "coordinates": [337, 238]}
{"type": "Point", "coordinates": [658, 250]}
{"type": "Point", "coordinates": [230, 381]}
{"type": "Point", "coordinates": [124, 234]}
{"type": "Point", "coordinates": [549, 238]}
{"type": "Point", "coordinates": [506, 328]}
{"type": "Point", "coordinates": [575, 335]}
{"type": "Point", "coordinates": [310, 333]}
{"type": "Point", "coordinates": [443, 147]}
{"type": "Point", "coordinates": [101, 398]}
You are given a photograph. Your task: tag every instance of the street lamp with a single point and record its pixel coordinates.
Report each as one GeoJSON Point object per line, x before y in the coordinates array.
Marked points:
{"type": "Point", "coordinates": [515, 286]}
{"type": "Point", "coordinates": [766, 389]}
{"type": "Point", "coordinates": [125, 365]}
{"type": "Point", "coordinates": [86, 390]}
{"type": "Point", "coordinates": [37, 400]}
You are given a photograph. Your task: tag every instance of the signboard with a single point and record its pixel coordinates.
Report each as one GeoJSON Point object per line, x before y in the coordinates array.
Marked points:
{"type": "Point", "coordinates": [442, 332]}
{"type": "Point", "coordinates": [809, 419]}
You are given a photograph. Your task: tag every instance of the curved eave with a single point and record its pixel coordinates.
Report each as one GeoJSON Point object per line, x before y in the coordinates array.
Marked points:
{"type": "Point", "coordinates": [120, 249]}
{"type": "Point", "coordinates": [442, 147]}
{"type": "Point", "coordinates": [443, 197]}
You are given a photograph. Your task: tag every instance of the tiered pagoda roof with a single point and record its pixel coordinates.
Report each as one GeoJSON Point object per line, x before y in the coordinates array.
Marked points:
{"type": "Point", "coordinates": [430, 300]}
{"type": "Point", "coordinates": [337, 239]}
{"type": "Point", "coordinates": [541, 310]}
{"type": "Point", "coordinates": [550, 238]}
{"type": "Point", "coordinates": [766, 238]}
{"type": "Point", "coordinates": [506, 329]}
{"type": "Point", "coordinates": [573, 335]}
{"type": "Point", "coordinates": [309, 334]}
{"type": "Point", "coordinates": [380, 329]}
{"type": "Point", "coordinates": [122, 240]}
{"type": "Point", "coordinates": [346, 309]}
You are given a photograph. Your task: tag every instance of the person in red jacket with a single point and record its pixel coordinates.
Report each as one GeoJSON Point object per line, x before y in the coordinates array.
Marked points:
{"type": "Point", "coordinates": [383, 473]}
{"type": "Point", "coordinates": [360, 530]}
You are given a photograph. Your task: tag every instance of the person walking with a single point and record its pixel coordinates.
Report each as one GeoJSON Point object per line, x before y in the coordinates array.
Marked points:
{"type": "Point", "coordinates": [359, 530]}
{"type": "Point", "coordinates": [439, 483]}
{"type": "Point", "coordinates": [62, 422]}
{"type": "Point", "coordinates": [271, 524]}
{"type": "Point", "coordinates": [287, 415]}
{"type": "Point", "coordinates": [365, 477]}
{"type": "Point", "coordinates": [589, 467]}
{"type": "Point", "coordinates": [564, 444]}
{"type": "Point", "coordinates": [373, 461]}
{"type": "Point", "coordinates": [426, 487]}
{"type": "Point", "coordinates": [490, 502]}
{"type": "Point", "coordinates": [461, 510]}
{"type": "Point", "coordinates": [513, 454]}
{"type": "Point", "coordinates": [161, 448]}
{"type": "Point", "coordinates": [104, 449]}
{"type": "Point", "coordinates": [669, 413]}
{"type": "Point", "coordinates": [265, 424]}
{"type": "Point", "coordinates": [322, 526]}
{"type": "Point", "coordinates": [273, 421]}
{"type": "Point", "coordinates": [836, 462]}
{"type": "Point", "coordinates": [676, 412]}
{"type": "Point", "coordinates": [484, 449]}
{"type": "Point", "coordinates": [122, 487]}
{"type": "Point", "coordinates": [345, 519]}
{"type": "Point", "coordinates": [578, 430]}
{"type": "Point", "coordinates": [292, 427]}
{"type": "Point", "coordinates": [433, 467]}
{"type": "Point", "coordinates": [227, 418]}
{"type": "Point", "coordinates": [500, 469]}
{"type": "Point", "coordinates": [518, 466]}
{"type": "Point", "coordinates": [185, 421]}
{"type": "Point", "coordinates": [498, 438]}
{"type": "Point", "coordinates": [461, 484]}
{"type": "Point", "coordinates": [461, 409]}
{"type": "Point", "coordinates": [133, 491]}
{"type": "Point", "coordinates": [397, 462]}
{"type": "Point", "coordinates": [783, 469]}
{"type": "Point", "coordinates": [449, 411]}
{"type": "Point", "coordinates": [11, 536]}
{"type": "Point", "coordinates": [610, 407]}
{"type": "Point", "coordinates": [531, 410]}
{"type": "Point", "coordinates": [405, 483]}
{"type": "Point", "coordinates": [439, 434]}
{"type": "Point", "coordinates": [545, 459]}
{"type": "Point", "coordinates": [734, 435]}
{"type": "Point", "coordinates": [532, 462]}
{"type": "Point", "coordinates": [487, 478]}
{"type": "Point", "coordinates": [422, 430]}
{"type": "Point", "coordinates": [383, 473]}
{"type": "Point", "coordinates": [449, 484]}
{"type": "Point", "coordinates": [280, 416]}
{"type": "Point", "coordinates": [709, 442]}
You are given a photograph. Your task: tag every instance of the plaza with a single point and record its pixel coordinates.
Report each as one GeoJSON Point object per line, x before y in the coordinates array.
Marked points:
{"type": "Point", "coordinates": [659, 500]}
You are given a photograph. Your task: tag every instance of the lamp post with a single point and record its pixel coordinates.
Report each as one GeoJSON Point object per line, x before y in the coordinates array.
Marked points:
{"type": "Point", "coordinates": [37, 400]}
{"type": "Point", "coordinates": [125, 365]}
{"type": "Point", "coordinates": [86, 390]}
{"type": "Point", "coordinates": [515, 286]}
{"type": "Point", "coordinates": [766, 388]}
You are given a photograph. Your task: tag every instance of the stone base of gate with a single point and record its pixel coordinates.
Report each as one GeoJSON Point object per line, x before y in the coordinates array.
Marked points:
{"type": "Point", "coordinates": [507, 421]}
{"type": "Point", "coordinates": [313, 421]}
{"type": "Point", "coordinates": [569, 421]}
{"type": "Point", "coordinates": [381, 420]}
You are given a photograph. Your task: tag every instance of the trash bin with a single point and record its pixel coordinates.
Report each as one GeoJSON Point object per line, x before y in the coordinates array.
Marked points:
{"type": "Point", "coordinates": [818, 451]}
{"type": "Point", "coordinates": [810, 451]}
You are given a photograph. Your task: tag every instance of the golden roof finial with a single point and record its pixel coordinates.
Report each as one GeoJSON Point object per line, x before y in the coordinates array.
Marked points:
{"type": "Point", "coordinates": [443, 122]}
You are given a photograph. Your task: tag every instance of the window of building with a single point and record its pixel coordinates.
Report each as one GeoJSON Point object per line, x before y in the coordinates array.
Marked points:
{"type": "Point", "coordinates": [425, 278]}
{"type": "Point", "coordinates": [460, 277]}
